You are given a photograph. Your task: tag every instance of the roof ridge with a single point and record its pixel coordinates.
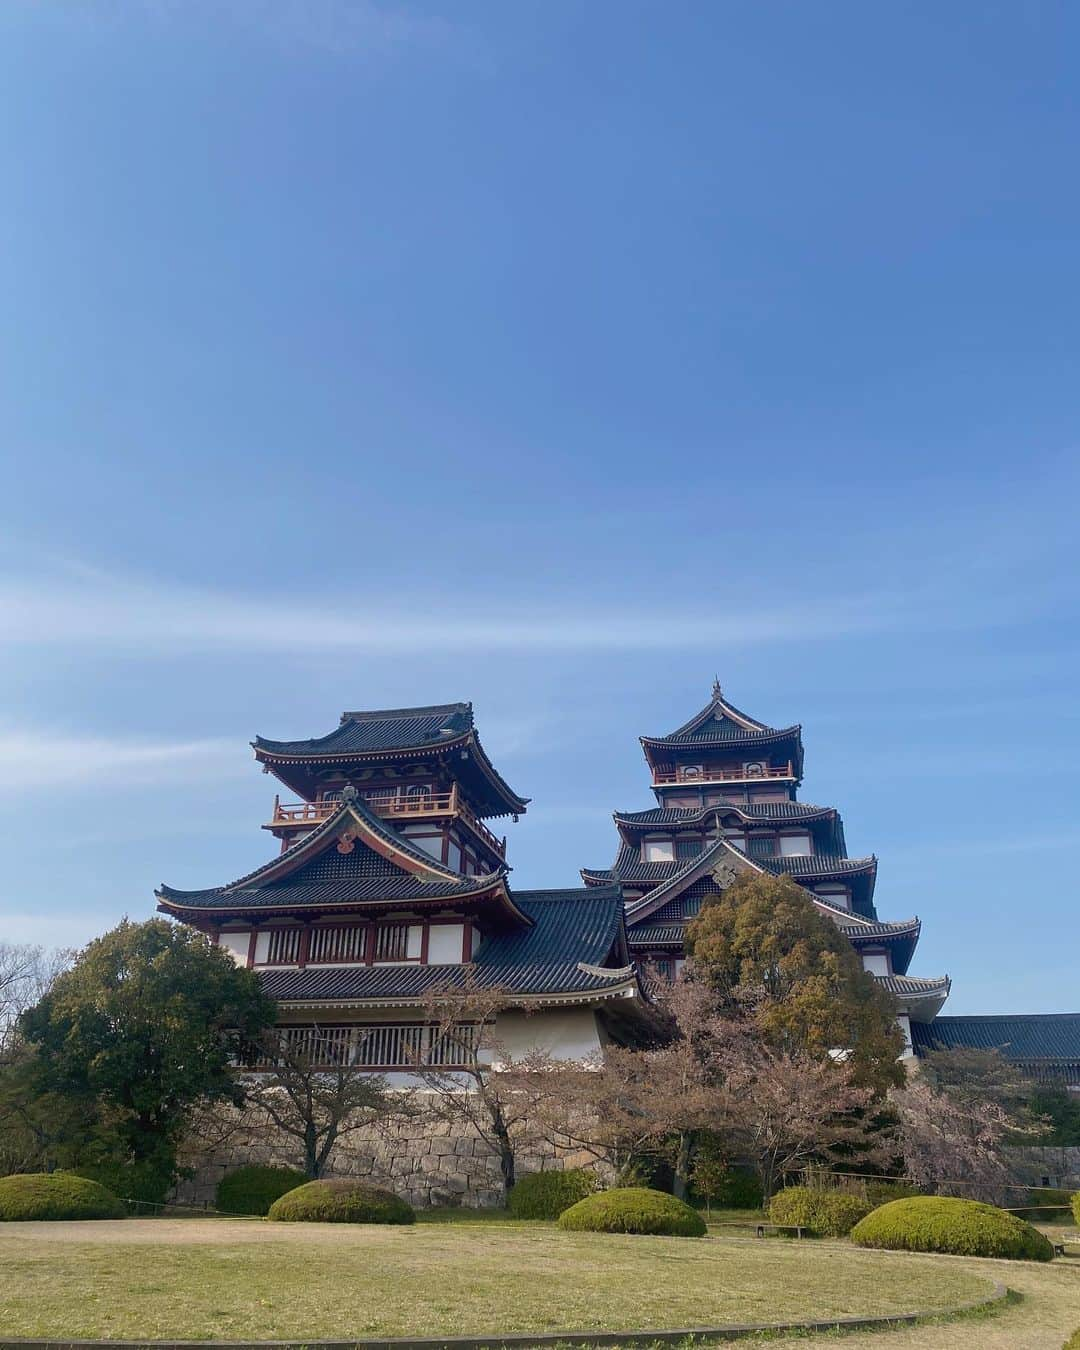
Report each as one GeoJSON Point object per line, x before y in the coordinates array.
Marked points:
{"type": "Point", "coordinates": [395, 714]}
{"type": "Point", "coordinates": [551, 894]}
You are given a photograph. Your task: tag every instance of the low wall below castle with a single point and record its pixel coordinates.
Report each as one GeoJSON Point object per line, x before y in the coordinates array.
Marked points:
{"type": "Point", "coordinates": [425, 1160]}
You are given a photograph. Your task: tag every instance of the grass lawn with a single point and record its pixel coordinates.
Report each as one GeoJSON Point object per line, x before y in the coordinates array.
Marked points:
{"type": "Point", "coordinates": [198, 1279]}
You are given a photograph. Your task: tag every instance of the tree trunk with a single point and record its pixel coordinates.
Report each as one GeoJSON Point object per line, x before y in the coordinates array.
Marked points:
{"type": "Point", "coordinates": [507, 1167]}
{"type": "Point", "coordinates": [681, 1183]}
{"type": "Point", "coordinates": [311, 1151]}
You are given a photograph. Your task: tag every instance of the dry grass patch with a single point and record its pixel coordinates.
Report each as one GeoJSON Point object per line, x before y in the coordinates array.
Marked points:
{"type": "Point", "coordinates": [200, 1279]}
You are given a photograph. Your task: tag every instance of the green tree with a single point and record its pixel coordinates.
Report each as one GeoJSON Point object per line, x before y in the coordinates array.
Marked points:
{"type": "Point", "coordinates": [147, 1023]}
{"type": "Point", "coordinates": [762, 943]}
{"type": "Point", "coordinates": [1061, 1111]}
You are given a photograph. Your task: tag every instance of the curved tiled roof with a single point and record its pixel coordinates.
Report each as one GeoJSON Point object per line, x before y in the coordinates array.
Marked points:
{"type": "Point", "coordinates": [725, 733]}
{"type": "Point", "coordinates": [818, 865]}
{"type": "Point", "coordinates": [289, 895]}
{"type": "Point", "coordinates": [572, 934]}
{"type": "Point", "coordinates": [908, 986]}
{"type": "Point", "coordinates": [656, 935]}
{"type": "Point", "coordinates": [721, 723]}
{"type": "Point", "coordinates": [758, 811]}
{"type": "Point", "coordinates": [881, 931]}
{"type": "Point", "coordinates": [1031, 1036]}
{"type": "Point", "coordinates": [382, 729]}
{"type": "Point", "coordinates": [387, 732]}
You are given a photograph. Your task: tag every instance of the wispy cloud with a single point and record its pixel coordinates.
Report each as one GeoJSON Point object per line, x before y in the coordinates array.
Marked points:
{"type": "Point", "coordinates": [32, 760]}
{"type": "Point", "coordinates": [84, 609]}
{"type": "Point", "coordinates": [361, 27]}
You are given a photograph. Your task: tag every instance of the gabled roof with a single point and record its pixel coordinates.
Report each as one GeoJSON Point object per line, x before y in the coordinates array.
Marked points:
{"type": "Point", "coordinates": [572, 949]}
{"type": "Point", "coordinates": [720, 723]}
{"type": "Point", "coordinates": [396, 733]}
{"type": "Point", "coordinates": [1024, 1038]}
{"type": "Point", "coordinates": [723, 850]}
{"type": "Point", "coordinates": [354, 860]}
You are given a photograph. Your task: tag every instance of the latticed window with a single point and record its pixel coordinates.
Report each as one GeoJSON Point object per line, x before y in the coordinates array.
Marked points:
{"type": "Point", "coordinates": [284, 947]}
{"type": "Point", "coordinates": [391, 941]}
{"type": "Point", "coordinates": [338, 944]}
{"type": "Point", "coordinates": [762, 846]}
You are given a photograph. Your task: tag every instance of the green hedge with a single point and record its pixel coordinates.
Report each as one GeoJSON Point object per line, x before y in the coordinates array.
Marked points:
{"type": "Point", "coordinates": [735, 1188]}
{"type": "Point", "coordinates": [544, 1195]}
{"type": "Point", "coordinates": [960, 1227]}
{"type": "Point", "coordinates": [341, 1200]}
{"type": "Point", "coordinates": [1073, 1343]}
{"type": "Point", "coordinates": [142, 1184]}
{"type": "Point", "coordinates": [824, 1213]}
{"type": "Point", "coordinates": [633, 1209]}
{"type": "Point", "coordinates": [1076, 1206]}
{"type": "Point", "coordinates": [881, 1192]}
{"type": "Point", "coordinates": [56, 1195]}
{"type": "Point", "coordinates": [252, 1190]}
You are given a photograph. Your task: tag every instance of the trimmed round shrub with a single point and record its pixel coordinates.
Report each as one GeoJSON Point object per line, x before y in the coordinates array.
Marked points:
{"type": "Point", "coordinates": [823, 1213]}
{"type": "Point", "coordinates": [935, 1223]}
{"type": "Point", "coordinates": [56, 1195]}
{"type": "Point", "coordinates": [340, 1200]}
{"type": "Point", "coordinates": [633, 1209]}
{"type": "Point", "coordinates": [252, 1190]}
{"type": "Point", "coordinates": [139, 1184]}
{"type": "Point", "coordinates": [544, 1195]}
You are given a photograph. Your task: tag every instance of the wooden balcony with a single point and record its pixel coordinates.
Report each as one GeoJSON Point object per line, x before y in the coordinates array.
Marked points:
{"type": "Point", "coordinates": [393, 805]}
{"type": "Point", "coordinates": [380, 1046]}
{"type": "Point", "coordinates": [721, 773]}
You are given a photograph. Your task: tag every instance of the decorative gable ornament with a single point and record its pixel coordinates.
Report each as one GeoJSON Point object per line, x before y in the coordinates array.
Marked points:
{"type": "Point", "coordinates": [724, 874]}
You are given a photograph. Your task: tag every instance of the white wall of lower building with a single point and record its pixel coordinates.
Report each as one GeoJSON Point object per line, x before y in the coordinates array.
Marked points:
{"type": "Point", "coordinates": [562, 1033]}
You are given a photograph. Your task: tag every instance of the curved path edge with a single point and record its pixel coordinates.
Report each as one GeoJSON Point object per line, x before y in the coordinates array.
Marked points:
{"type": "Point", "coordinates": [733, 1332]}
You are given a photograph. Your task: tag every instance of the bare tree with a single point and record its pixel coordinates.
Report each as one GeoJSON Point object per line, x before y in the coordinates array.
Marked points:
{"type": "Point", "coordinates": [26, 974]}
{"type": "Point", "coordinates": [306, 1085]}
{"type": "Point", "coordinates": [620, 1108]}
{"type": "Point", "coordinates": [787, 1109]}
{"type": "Point", "coordinates": [470, 1076]}
{"type": "Point", "coordinates": [953, 1137]}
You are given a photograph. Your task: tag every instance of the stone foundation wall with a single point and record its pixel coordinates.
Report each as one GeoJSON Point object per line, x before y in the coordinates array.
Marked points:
{"type": "Point", "coordinates": [1061, 1165]}
{"type": "Point", "coordinates": [425, 1160]}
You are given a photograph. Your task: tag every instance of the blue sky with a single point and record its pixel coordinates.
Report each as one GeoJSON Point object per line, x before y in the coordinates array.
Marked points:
{"type": "Point", "coordinates": [557, 356]}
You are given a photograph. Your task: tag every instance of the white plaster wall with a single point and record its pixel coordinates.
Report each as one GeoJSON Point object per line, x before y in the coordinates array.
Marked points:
{"type": "Point", "coordinates": [445, 944]}
{"type": "Point", "coordinates": [563, 1033]}
{"type": "Point", "coordinates": [236, 944]}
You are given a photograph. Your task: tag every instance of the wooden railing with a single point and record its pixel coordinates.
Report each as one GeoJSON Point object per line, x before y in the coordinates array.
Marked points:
{"type": "Point", "coordinates": [717, 773]}
{"type": "Point", "coordinates": [394, 805]}
{"type": "Point", "coordinates": [379, 1046]}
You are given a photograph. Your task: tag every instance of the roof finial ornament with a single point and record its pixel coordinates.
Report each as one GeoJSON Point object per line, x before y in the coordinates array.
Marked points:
{"type": "Point", "coordinates": [716, 690]}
